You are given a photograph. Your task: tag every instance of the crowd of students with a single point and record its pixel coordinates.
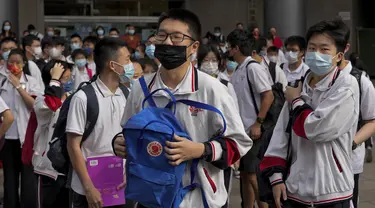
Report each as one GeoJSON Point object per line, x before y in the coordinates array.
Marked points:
{"type": "Point", "coordinates": [316, 149]}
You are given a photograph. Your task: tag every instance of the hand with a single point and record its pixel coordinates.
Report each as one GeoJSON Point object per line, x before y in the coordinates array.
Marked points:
{"type": "Point", "coordinates": [183, 150]}
{"type": "Point", "coordinates": [119, 146]}
{"type": "Point", "coordinates": [293, 93]}
{"type": "Point", "coordinates": [279, 190]}
{"type": "Point", "coordinates": [236, 165]}
{"type": "Point", "coordinates": [15, 81]}
{"type": "Point", "coordinates": [255, 131]}
{"type": "Point", "coordinates": [94, 198]}
{"type": "Point", "coordinates": [123, 184]}
{"type": "Point", "coordinates": [57, 71]}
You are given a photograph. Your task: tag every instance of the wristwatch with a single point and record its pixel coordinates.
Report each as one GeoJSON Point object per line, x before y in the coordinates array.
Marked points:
{"type": "Point", "coordinates": [354, 145]}
{"type": "Point", "coordinates": [207, 154]}
{"type": "Point", "coordinates": [260, 120]}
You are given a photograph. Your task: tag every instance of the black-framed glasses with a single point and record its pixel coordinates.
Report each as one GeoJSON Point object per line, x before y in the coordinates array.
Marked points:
{"type": "Point", "coordinates": [176, 37]}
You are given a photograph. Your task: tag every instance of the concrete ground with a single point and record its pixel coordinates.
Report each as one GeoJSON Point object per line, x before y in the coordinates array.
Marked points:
{"type": "Point", "coordinates": [366, 186]}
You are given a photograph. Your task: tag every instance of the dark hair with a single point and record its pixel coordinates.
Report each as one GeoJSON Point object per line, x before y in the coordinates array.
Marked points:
{"type": "Point", "coordinates": [269, 36]}
{"type": "Point", "coordinates": [142, 46]}
{"type": "Point", "coordinates": [187, 17]}
{"type": "Point", "coordinates": [114, 29]}
{"type": "Point", "coordinates": [203, 52]}
{"type": "Point", "coordinates": [107, 50]}
{"type": "Point", "coordinates": [153, 35]}
{"type": "Point", "coordinates": [75, 35]}
{"type": "Point", "coordinates": [217, 28]}
{"type": "Point", "coordinates": [239, 38]}
{"type": "Point", "coordinates": [78, 52]}
{"type": "Point", "coordinates": [100, 27]}
{"type": "Point", "coordinates": [240, 23]}
{"type": "Point", "coordinates": [46, 71]}
{"type": "Point", "coordinates": [296, 40]}
{"type": "Point", "coordinates": [272, 49]}
{"type": "Point", "coordinates": [259, 44]}
{"type": "Point", "coordinates": [336, 29]}
{"type": "Point", "coordinates": [11, 34]}
{"type": "Point", "coordinates": [7, 40]}
{"type": "Point", "coordinates": [357, 62]}
{"type": "Point", "coordinates": [20, 52]}
{"type": "Point", "coordinates": [57, 32]}
{"type": "Point", "coordinates": [57, 41]}
{"type": "Point", "coordinates": [45, 43]}
{"type": "Point", "coordinates": [30, 27]}
{"type": "Point", "coordinates": [28, 40]}
{"type": "Point", "coordinates": [91, 39]}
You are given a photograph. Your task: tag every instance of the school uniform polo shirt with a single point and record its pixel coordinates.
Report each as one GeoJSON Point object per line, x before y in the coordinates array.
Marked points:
{"type": "Point", "coordinates": [292, 76]}
{"type": "Point", "coordinates": [79, 76]}
{"type": "Point", "coordinates": [98, 143]}
{"type": "Point", "coordinates": [260, 80]}
{"type": "Point", "coordinates": [279, 74]}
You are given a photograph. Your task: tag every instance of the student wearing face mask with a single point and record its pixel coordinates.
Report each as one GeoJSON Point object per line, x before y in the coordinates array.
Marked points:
{"type": "Point", "coordinates": [281, 57]}
{"type": "Point", "coordinates": [6, 45]}
{"type": "Point", "coordinates": [325, 110]}
{"type": "Point", "coordinates": [6, 31]}
{"type": "Point", "coordinates": [88, 46]}
{"type": "Point", "coordinates": [18, 89]}
{"type": "Point", "coordinates": [114, 33]}
{"type": "Point", "coordinates": [75, 42]}
{"type": "Point", "coordinates": [229, 67]}
{"type": "Point", "coordinates": [295, 68]}
{"type": "Point", "coordinates": [150, 50]}
{"type": "Point", "coordinates": [131, 38]}
{"type": "Point", "coordinates": [52, 192]}
{"type": "Point", "coordinates": [33, 52]}
{"type": "Point", "coordinates": [113, 62]}
{"type": "Point", "coordinates": [80, 72]}
{"type": "Point", "coordinates": [272, 54]}
{"type": "Point", "coordinates": [140, 52]}
{"type": "Point", "coordinates": [56, 48]}
{"type": "Point", "coordinates": [100, 32]}
{"type": "Point", "coordinates": [176, 39]}
{"type": "Point", "coordinates": [218, 37]}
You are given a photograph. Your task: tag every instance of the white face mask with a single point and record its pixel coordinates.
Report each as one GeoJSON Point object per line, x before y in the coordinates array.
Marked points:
{"type": "Point", "coordinates": [291, 57]}
{"type": "Point", "coordinates": [273, 59]}
{"type": "Point", "coordinates": [210, 67]}
{"type": "Point", "coordinates": [37, 52]}
{"type": "Point", "coordinates": [193, 57]}
{"type": "Point", "coordinates": [54, 53]}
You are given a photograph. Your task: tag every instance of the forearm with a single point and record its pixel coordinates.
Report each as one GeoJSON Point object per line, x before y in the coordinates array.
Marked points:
{"type": "Point", "coordinates": [365, 132]}
{"type": "Point", "coordinates": [28, 99]}
{"type": "Point", "coordinates": [265, 103]}
{"type": "Point", "coordinates": [7, 122]}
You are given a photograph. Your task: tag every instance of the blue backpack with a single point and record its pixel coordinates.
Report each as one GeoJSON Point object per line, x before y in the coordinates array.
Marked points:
{"type": "Point", "coordinates": [151, 180]}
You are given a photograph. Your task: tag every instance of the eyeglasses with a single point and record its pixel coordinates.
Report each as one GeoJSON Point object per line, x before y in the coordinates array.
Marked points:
{"type": "Point", "coordinates": [176, 37]}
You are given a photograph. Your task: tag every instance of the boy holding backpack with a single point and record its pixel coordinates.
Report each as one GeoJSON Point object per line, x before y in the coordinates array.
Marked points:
{"type": "Point", "coordinates": [176, 40]}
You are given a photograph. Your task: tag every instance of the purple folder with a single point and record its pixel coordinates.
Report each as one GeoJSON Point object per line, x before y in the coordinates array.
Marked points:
{"type": "Point", "coordinates": [106, 174]}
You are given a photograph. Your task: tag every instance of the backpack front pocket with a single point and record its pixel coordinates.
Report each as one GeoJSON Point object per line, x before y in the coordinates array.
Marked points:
{"type": "Point", "coordinates": [150, 187]}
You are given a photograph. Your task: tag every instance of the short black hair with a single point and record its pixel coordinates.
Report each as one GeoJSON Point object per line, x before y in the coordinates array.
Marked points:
{"type": "Point", "coordinates": [217, 28]}
{"type": "Point", "coordinates": [31, 27]}
{"type": "Point", "coordinates": [20, 52]}
{"type": "Point", "coordinates": [272, 49]}
{"type": "Point", "coordinates": [75, 35]}
{"type": "Point", "coordinates": [239, 38]}
{"type": "Point", "coordinates": [28, 40]}
{"type": "Point", "coordinates": [107, 50]}
{"type": "Point", "coordinates": [296, 40]}
{"type": "Point", "coordinates": [78, 52]}
{"type": "Point", "coordinates": [114, 29]}
{"type": "Point", "coordinates": [270, 36]}
{"type": "Point", "coordinates": [187, 17]}
{"type": "Point", "coordinates": [142, 46]}
{"type": "Point", "coordinates": [336, 29]}
{"type": "Point", "coordinates": [91, 39]}
{"type": "Point", "coordinates": [46, 71]}
{"type": "Point", "coordinates": [259, 44]}
{"type": "Point", "coordinates": [57, 41]}
{"type": "Point", "coordinates": [7, 40]}
{"type": "Point", "coordinates": [100, 27]}
{"type": "Point", "coordinates": [204, 50]}
{"type": "Point", "coordinates": [46, 42]}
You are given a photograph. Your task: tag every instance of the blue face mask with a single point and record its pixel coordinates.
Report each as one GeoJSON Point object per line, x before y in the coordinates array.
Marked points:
{"type": "Point", "coordinates": [81, 62]}
{"type": "Point", "coordinates": [231, 65]}
{"type": "Point", "coordinates": [68, 86]}
{"type": "Point", "coordinates": [137, 55]}
{"type": "Point", "coordinates": [150, 50]}
{"type": "Point", "coordinates": [320, 64]}
{"type": "Point", "coordinates": [6, 55]}
{"type": "Point", "coordinates": [100, 32]}
{"type": "Point", "coordinates": [88, 50]}
{"type": "Point", "coordinates": [75, 46]}
{"type": "Point", "coordinates": [6, 27]}
{"type": "Point", "coordinates": [128, 74]}
{"type": "Point", "coordinates": [50, 33]}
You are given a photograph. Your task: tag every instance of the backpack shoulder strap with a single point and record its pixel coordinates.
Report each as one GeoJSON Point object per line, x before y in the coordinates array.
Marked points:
{"type": "Point", "coordinates": [224, 82]}
{"type": "Point", "coordinates": [92, 110]}
{"type": "Point", "coordinates": [282, 65]}
{"type": "Point", "coordinates": [124, 90]}
{"type": "Point", "coordinates": [251, 88]}
{"type": "Point", "coordinates": [357, 74]}
{"type": "Point", "coordinates": [146, 92]}
{"type": "Point", "coordinates": [272, 69]}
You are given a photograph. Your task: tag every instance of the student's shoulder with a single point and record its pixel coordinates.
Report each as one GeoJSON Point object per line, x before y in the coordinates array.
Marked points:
{"type": "Point", "coordinates": [209, 83]}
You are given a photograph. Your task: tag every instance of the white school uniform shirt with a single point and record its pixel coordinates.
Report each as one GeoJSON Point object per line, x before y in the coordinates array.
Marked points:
{"type": "Point", "coordinates": [281, 57]}
{"type": "Point", "coordinates": [260, 80]}
{"type": "Point", "coordinates": [280, 76]}
{"type": "Point", "coordinates": [79, 76]}
{"type": "Point", "coordinates": [98, 143]}
{"type": "Point", "coordinates": [17, 105]}
{"type": "Point", "coordinates": [224, 76]}
{"type": "Point", "coordinates": [200, 125]}
{"type": "Point", "coordinates": [367, 112]}
{"type": "Point", "coordinates": [292, 76]}
{"type": "Point", "coordinates": [3, 105]}
{"type": "Point", "coordinates": [321, 170]}
{"type": "Point", "coordinates": [92, 66]}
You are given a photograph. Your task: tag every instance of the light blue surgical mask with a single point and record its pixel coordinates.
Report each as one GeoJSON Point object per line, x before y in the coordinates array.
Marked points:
{"type": "Point", "coordinates": [6, 55]}
{"type": "Point", "coordinates": [68, 86]}
{"type": "Point", "coordinates": [150, 51]}
{"type": "Point", "coordinates": [320, 64]}
{"type": "Point", "coordinates": [100, 32]}
{"type": "Point", "coordinates": [75, 46]}
{"type": "Point", "coordinates": [137, 55]}
{"type": "Point", "coordinates": [50, 33]}
{"type": "Point", "coordinates": [128, 74]}
{"type": "Point", "coordinates": [81, 62]}
{"type": "Point", "coordinates": [231, 65]}
{"type": "Point", "coordinates": [6, 27]}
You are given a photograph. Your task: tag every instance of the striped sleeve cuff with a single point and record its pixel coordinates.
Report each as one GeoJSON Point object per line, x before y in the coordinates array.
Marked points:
{"type": "Point", "coordinates": [217, 150]}
{"type": "Point", "coordinates": [297, 102]}
{"type": "Point", "coordinates": [276, 178]}
{"type": "Point", "coordinates": [54, 83]}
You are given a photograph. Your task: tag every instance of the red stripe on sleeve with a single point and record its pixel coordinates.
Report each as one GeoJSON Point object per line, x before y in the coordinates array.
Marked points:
{"type": "Point", "coordinates": [52, 102]}
{"type": "Point", "coordinates": [268, 162]}
{"type": "Point", "coordinates": [233, 154]}
{"type": "Point", "coordinates": [212, 183]}
{"type": "Point", "coordinates": [299, 124]}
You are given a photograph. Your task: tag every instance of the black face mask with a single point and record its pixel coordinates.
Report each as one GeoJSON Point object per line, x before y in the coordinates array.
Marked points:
{"type": "Point", "coordinates": [170, 56]}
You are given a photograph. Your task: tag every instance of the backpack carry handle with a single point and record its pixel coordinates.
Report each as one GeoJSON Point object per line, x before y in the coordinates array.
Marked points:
{"type": "Point", "coordinates": [161, 89]}
{"type": "Point", "coordinates": [201, 106]}
{"type": "Point", "coordinates": [139, 144]}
